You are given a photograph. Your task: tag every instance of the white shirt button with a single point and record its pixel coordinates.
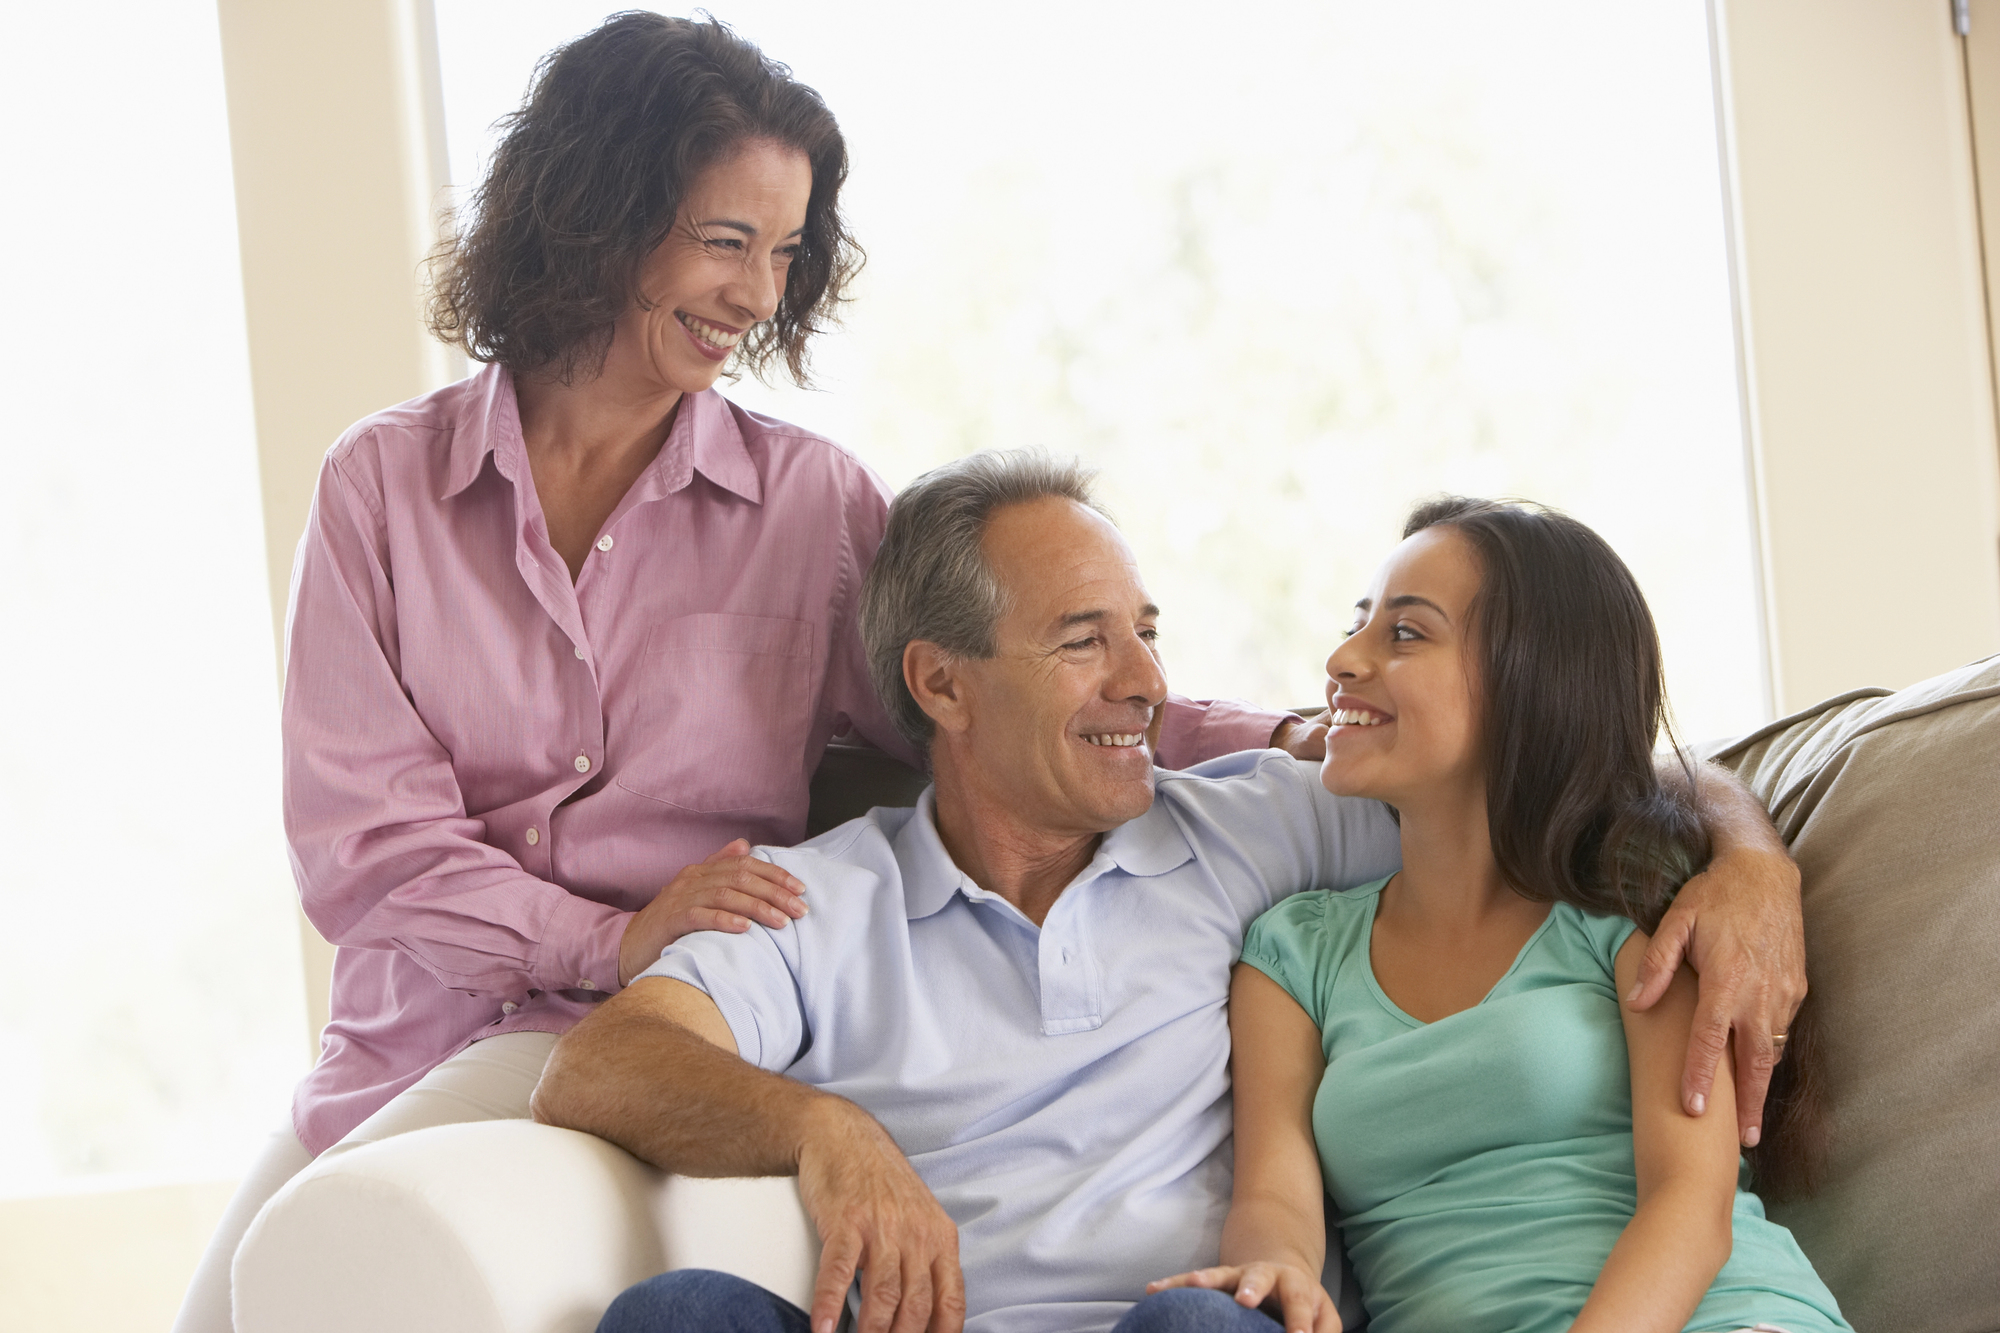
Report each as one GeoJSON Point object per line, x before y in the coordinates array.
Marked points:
{"type": "Point", "coordinates": [586, 984]}
{"type": "Point", "coordinates": [583, 763]}
{"type": "Point", "coordinates": [579, 652]}
{"type": "Point", "coordinates": [534, 836]}
{"type": "Point", "coordinates": [604, 543]}
{"type": "Point", "coordinates": [509, 1007]}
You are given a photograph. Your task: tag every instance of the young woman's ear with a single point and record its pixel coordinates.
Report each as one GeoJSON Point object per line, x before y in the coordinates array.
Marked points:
{"type": "Point", "coordinates": [934, 681]}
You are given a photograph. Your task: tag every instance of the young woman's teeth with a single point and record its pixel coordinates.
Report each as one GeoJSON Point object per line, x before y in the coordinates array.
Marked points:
{"type": "Point", "coordinates": [720, 339]}
{"type": "Point", "coordinates": [1354, 717]}
{"type": "Point", "coordinates": [1117, 738]}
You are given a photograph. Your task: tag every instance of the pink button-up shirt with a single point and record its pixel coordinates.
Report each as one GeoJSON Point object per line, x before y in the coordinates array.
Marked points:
{"type": "Point", "coordinates": [488, 769]}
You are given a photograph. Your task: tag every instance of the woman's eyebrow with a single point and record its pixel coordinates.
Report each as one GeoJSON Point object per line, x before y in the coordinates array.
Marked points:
{"type": "Point", "coordinates": [743, 227]}
{"type": "Point", "coordinates": [1406, 599]}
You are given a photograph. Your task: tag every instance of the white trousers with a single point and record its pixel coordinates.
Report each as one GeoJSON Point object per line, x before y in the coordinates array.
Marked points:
{"type": "Point", "coordinates": [488, 1080]}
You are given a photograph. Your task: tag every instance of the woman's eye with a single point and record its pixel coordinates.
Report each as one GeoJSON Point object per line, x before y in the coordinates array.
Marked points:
{"type": "Point", "coordinates": [1351, 630]}
{"type": "Point", "coordinates": [1405, 634]}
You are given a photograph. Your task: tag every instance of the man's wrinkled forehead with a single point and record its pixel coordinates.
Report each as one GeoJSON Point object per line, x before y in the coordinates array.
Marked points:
{"type": "Point", "coordinates": [1062, 566]}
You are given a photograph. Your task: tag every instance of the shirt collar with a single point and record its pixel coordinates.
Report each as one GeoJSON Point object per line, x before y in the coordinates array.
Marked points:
{"type": "Point", "coordinates": [705, 438]}
{"type": "Point", "coordinates": [491, 420]}
{"type": "Point", "coordinates": [1150, 845]}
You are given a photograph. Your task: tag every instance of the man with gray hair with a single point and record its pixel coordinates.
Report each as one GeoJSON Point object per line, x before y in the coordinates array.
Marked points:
{"type": "Point", "coordinates": [995, 1052]}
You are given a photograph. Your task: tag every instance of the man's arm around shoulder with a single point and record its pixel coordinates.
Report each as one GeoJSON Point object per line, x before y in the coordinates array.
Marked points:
{"type": "Point", "coordinates": [654, 1070]}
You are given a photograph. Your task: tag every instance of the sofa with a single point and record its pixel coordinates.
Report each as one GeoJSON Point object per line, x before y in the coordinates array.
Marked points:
{"type": "Point", "coordinates": [1889, 800]}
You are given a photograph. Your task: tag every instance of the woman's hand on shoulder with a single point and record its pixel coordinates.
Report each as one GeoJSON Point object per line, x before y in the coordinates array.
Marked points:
{"type": "Point", "coordinates": [1304, 1306]}
{"type": "Point", "coordinates": [726, 892]}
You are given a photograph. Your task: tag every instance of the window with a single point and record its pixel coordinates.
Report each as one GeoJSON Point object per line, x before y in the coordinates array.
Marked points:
{"type": "Point", "coordinates": [154, 1020]}
{"type": "Point", "coordinates": [1279, 269]}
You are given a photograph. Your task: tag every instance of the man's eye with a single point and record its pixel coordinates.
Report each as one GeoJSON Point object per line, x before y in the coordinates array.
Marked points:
{"type": "Point", "coordinates": [1150, 635]}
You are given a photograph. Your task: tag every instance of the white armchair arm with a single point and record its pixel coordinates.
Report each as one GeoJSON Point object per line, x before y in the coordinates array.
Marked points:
{"type": "Point", "coordinates": [501, 1226]}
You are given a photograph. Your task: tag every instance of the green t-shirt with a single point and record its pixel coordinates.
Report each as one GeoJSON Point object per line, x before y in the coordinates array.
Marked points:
{"type": "Point", "coordinates": [1482, 1164]}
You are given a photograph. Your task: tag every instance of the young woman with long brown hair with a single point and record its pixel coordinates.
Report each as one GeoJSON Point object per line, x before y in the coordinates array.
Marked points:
{"type": "Point", "coordinates": [1451, 1050]}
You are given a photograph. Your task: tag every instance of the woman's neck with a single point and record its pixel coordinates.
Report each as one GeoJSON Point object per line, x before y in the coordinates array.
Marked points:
{"type": "Point", "coordinates": [1450, 881]}
{"type": "Point", "coordinates": [587, 443]}
{"type": "Point", "coordinates": [594, 425]}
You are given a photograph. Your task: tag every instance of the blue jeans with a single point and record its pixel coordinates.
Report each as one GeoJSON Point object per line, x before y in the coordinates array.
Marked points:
{"type": "Point", "coordinates": [699, 1300]}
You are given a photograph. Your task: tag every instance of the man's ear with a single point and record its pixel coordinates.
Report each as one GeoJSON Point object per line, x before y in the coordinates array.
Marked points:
{"type": "Point", "coordinates": [935, 680]}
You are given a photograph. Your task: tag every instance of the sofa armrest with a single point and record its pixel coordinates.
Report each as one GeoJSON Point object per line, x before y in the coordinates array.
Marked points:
{"type": "Point", "coordinates": [501, 1226]}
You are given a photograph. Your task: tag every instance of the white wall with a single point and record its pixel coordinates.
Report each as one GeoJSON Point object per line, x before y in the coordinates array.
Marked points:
{"type": "Point", "coordinates": [1862, 301]}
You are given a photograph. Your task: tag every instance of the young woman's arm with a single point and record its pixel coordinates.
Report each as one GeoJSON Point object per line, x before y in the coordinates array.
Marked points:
{"type": "Point", "coordinates": [1274, 1241]}
{"type": "Point", "coordinates": [1679, 1238]}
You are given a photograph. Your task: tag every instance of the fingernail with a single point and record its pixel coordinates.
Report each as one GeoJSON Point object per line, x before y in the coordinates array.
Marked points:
{"type": "Point", "coordinates": [1751, 1136]}
{"type": "Point", "coordinates": [1697, 1104]}
{"type": "Point", "coordinates": [1632, 996]}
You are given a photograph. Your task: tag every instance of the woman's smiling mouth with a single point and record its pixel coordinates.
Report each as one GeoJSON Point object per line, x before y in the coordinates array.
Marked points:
{"type": "Point", "coordinates": [713, 341]}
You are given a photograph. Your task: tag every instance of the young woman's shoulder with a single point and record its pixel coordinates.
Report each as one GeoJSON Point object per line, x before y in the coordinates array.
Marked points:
{"type": "Point", "coordinates": [1304, 941]}
{"type": "Point", "coordinates": [1594, 935]}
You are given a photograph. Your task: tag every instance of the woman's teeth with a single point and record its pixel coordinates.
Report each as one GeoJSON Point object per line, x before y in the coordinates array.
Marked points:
{"type": "Point", "coordinates": [1354, 717]}
{"type": "Point", "coordinates": [720, 339]}
{"type": "Point", "coordinates": [1117, 738]}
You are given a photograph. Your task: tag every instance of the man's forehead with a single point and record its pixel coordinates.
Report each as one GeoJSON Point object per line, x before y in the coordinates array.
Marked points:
{"type": "Point", "coordinates": [1056, 559]}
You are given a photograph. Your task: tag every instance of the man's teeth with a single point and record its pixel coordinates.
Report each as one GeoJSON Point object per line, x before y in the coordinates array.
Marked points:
{"type": "Point", "coordinates": [711, 335]}
{"type": "Point", "coordinates": [1117, 738]}
{"type": "Point", "coordinates": [1354, 717]}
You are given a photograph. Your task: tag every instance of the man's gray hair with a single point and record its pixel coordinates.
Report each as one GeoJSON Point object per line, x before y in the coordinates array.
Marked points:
{"type": "Point", "coordinates": [930, 581]}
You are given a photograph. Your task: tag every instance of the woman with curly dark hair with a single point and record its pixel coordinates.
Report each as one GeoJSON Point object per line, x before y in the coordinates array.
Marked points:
{"type": "Point", "coordinates": [563, 629]}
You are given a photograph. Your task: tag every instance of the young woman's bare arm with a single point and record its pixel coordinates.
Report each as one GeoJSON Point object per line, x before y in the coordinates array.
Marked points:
{"type": "Point", "coordinates": [1274, 1241]}
{"type": "Point", "coordinates": [1679, 1238]}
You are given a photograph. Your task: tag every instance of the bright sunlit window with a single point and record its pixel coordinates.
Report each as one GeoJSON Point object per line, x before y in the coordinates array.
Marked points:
{"type": "Point", "coordinates": [1279, 269]}
{"type": "Point", "coordinates": [155, 1019]}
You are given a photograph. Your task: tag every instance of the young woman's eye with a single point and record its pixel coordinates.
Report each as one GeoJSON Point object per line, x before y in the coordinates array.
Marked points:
{"type": "Point", "coordinates": [1352, 630]}
{"type": "Point", "coordinates": [1405, 633]}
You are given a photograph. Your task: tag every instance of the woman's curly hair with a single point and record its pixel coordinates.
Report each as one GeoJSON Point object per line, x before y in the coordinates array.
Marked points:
{"type": "Point", "coordinates": [589, 177]}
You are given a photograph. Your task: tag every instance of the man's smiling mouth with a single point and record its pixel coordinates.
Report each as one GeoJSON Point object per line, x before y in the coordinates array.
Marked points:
{"type": "Point", "coordinates": [1116, 738]}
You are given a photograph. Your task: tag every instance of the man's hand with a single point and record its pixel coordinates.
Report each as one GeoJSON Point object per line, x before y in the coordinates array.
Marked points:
{"type": "Point", "coordinates": [1738, 925]}
{"type": "Point", "coordinates": [1301, 1300]}
{"type": "Point", "coordinates": [1303, 739]}
{"type": "Point", "coordinates": [876, 1217]}
{"type": "Point", "coordinates": [726, 892]}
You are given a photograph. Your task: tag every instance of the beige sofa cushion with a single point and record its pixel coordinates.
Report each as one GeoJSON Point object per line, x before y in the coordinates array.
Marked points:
{"type": "Point", "coordinates": [1891, 803]}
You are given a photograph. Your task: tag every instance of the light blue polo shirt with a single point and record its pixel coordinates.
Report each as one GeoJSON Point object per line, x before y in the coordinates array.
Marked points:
{"type": "Point", "coordinates": [1064, 1091]}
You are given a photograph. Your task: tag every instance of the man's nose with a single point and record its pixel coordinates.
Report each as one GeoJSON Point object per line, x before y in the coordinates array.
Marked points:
{"type": "Point", "coordinates": [1139, 674]}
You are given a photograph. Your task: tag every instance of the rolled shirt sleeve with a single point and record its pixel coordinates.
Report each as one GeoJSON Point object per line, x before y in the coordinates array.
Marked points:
{"type": "Point", "coordinates": [1195, 730]}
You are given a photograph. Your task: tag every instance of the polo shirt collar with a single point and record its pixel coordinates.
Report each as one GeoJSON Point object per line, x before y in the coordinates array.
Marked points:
{"type": "Point", "coordinates": [705, 438]}
{"type": "Point", "coordinates": [1152, 844]}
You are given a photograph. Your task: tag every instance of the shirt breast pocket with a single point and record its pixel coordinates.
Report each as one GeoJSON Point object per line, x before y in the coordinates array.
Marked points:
{"type": "Point", "coordinates": [720, 713]}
